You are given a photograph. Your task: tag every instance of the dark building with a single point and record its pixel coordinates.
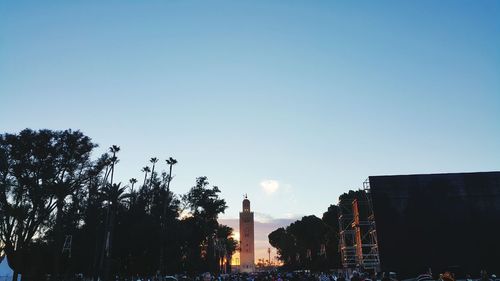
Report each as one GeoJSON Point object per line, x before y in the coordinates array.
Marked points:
{"type": "Point", "coordinates": [443, 221]}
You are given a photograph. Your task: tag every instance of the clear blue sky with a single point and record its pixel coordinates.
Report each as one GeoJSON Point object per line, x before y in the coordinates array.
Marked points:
{"type": "Point", "coordinates": [307, 98]}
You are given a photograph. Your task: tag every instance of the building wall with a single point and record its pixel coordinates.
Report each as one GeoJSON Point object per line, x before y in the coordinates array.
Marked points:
{"type": "Point", "coordinates": [442, 221]}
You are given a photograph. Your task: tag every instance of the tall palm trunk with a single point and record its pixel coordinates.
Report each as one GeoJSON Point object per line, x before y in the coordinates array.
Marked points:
{"type": "Point", "coordinates": [58, 240]}
{"type": "Point", "coordinates": [102, 258]}
{"type": "Point", "coordinates": [113, 149]}
{"type": "Point", "coordinates": [145, 177]}
{"type": "Point", "coordinates": [106, 254]}
{"type": "Point", "coordinates": [109, 234]}
{"type": "Point", "coordinates": [169, 178]}
{"type": "Point", "coordinates": [163, 235]}
{"type": "Point", "coordinates": [109, 242]}
{"type": "Point", "coordinates": [153, 160]}
{"type": "Point", "coordinates": [93, 190]}
{"type": "Point", "coordinates": [152, 174]}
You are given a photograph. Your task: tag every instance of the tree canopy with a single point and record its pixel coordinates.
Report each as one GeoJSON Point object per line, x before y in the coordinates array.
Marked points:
{"type": "Point", "coordinates": [62, 212]}
{"type": "Point", "coordinates": [311, 242]}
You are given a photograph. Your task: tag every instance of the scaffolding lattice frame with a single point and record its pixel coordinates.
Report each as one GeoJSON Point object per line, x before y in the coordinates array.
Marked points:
{"type": "Point", "coordinates": [358, 234]}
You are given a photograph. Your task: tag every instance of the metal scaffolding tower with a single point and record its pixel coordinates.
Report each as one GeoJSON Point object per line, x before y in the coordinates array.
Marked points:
{"type": "Point", "coordinates": [358, 234]}
{"type": "Point", "coordinates": [346, 235]}
{"type": "Point", "coordinates": [371, 259]}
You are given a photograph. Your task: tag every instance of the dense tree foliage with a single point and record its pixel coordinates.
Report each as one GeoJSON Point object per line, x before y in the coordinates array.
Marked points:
{"type": "Point", "coordinates": [306, 244]}
{"type": "Point", "coordinates": [311, 242]}
{"type": "Point", "coordinates": [62, 213]}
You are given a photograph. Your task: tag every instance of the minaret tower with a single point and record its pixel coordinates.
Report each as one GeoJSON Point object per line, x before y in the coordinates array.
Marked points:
{"type": "Point", "coordinates": [247, 252]}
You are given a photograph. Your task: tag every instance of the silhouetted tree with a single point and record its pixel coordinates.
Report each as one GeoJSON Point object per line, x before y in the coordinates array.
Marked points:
{"type": "Point", "coordinates": [171, 162]}
{"type": "Point", "coordinates": [153, 161]}
{"type": "Point", "coordinates": [284, 242]}
{"type": "Point", "coordinates": [132, 181]}
{"type": "Point", "coordinates": [309, 243]}
{"type": "Point", "coordinates": [113, 195]}
{"type": "Point", "coordinates": [227, 245]}
{"type": "Point", "coordinates": [38, 170]}
{"type": "Point", "coordinates": [50, 188]}
{"type": "Point", "coordinates": [331, 220]}
{"type": "Point", "coordinates": [146, 170]}
{"type": "Point", "coordinates": [113, 149]}
{"type": "Point", "coordinates": [205, 206]}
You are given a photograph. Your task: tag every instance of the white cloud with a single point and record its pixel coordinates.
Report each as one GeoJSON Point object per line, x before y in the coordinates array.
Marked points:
{"type": "Point", "coordinates": [293, 216]}
{"type": "Point", "coordinates": [269, 186]}
{"type": "Point", "coordinates": [262, 217]}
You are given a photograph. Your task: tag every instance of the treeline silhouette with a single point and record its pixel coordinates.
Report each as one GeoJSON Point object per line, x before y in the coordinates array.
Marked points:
{"type": "Point", "coordinates": [63, 213]}
{"type": "Point", "coordinates": [312, 243]}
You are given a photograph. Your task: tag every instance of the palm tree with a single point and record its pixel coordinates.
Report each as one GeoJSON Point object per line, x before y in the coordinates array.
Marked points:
{"type": "Point", "coordinates": [112, 195]}
{"type": "Point", "coordinates": [171, 162]}
{"type": "Point", "coordinates": [153, 160]}
{"type": "Point", "coordinates": [132, 181]}
{"type": "Point", "coordinates": [105, 253]}
{"type": "Point", "coordinates": [146, 170]}
{"type": "Point", "coordinates": [226, 246]}
{"type": "Point", "coordinates": [113, 149]}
